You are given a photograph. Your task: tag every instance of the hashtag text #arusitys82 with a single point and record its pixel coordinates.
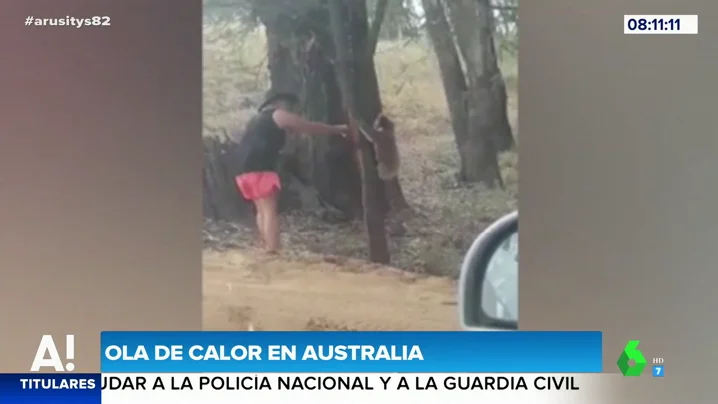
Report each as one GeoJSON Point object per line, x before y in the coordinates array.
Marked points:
{"type": "Point", "coordinates": [68, 21]}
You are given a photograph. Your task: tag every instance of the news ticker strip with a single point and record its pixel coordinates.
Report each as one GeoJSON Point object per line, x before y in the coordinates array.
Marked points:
{"type": "Point", "coordinates": [352, 352]}
{"type": "Point", "coordinates": [654, 24]}
{"type": "Point", "coordinates": [279, 388]}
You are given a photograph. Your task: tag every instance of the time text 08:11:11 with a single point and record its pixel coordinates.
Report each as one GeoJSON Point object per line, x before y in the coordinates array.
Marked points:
{"type": "Point", "coordinates": [660, 24]}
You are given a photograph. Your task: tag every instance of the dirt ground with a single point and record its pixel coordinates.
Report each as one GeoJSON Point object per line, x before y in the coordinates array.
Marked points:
{"type": "Point", "coordinates": [246, 289]}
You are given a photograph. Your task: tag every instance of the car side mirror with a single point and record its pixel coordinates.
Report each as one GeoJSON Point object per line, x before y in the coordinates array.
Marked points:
{"type": "Point", "coordinates": [489, 280]}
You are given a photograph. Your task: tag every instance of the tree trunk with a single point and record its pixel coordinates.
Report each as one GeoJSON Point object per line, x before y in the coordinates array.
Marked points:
{"type": "Point", "coordinates": [360, 90]}
{"type": "Point", "coordinates": [322, 162]}
{"type": "Point", "coordinates": [331, 165]}
{"type": "Point", "coordinates": [452, 74]}
{"type": "Point", "coordinates": [318, 170]}
{"type": "Point", "coordinates": [488, 130]}
{"type": "Point", "coordinates": [474, 28]}
{"type": "Point", "coordinates": [396, 201]}
{"type": "Point", "coordinates": [283, 60]}
{"type": "Point", "coordinates": [503, 135]}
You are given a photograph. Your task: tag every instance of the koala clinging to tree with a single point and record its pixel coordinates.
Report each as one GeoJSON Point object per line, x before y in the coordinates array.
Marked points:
{"type": "Point", "coordinates": [381, 136]}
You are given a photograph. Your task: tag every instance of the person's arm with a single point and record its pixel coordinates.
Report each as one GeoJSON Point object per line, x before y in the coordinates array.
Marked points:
{"type": "Point", "coordinates": [295, 123]}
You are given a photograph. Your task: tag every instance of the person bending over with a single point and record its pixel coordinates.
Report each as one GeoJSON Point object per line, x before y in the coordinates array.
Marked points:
{"type": "Point", "coordinates": [255, 158]}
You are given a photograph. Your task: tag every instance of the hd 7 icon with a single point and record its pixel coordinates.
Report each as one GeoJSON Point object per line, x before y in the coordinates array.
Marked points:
{"type": "Point", "coordinates": [658, 371]}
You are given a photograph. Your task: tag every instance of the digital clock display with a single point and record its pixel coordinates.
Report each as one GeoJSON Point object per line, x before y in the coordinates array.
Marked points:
{"type": "Point", "coordinates": [660, 24]}
{"type": "Point", "coordinates": [655, 24]}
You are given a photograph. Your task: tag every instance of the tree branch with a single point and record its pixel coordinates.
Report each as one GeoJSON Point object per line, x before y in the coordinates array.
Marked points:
{"type": "Point", "coordinates": [375, 29]}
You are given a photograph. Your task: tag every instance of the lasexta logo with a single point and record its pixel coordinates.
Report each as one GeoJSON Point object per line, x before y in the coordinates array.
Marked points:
{"type": "Point", "coordinates": [631, 353]}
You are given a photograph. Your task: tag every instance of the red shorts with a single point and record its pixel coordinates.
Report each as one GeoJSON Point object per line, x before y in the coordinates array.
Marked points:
{"type": "Point", "coordinates": [258, 185]}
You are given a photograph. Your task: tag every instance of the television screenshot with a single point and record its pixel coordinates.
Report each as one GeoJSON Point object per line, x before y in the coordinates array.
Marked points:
{"type": "Point", "coordinates": [277, 200]}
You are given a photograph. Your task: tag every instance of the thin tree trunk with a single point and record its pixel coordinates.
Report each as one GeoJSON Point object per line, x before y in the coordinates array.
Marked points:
{"type": "Point", "coordinates": [488, 122]}
{"type": "Point", "coordinates": [392, 188]}
{"type": "Point", "coordinates": [503, 135]}
{"type": "Point", "coordinates": [452, 74]}
{"type": "Point", "coordinates": [474, 28]}
{"type": "Point", "coordinates": [360, 91]}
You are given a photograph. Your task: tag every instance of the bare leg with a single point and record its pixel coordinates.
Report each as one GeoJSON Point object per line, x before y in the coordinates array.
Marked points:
{"type": "Point", "coordinates": [267, 210]}
{"type": "Point", "coordinates": [260, 223]}
{"type": "Point", "coordinates": [271, 225]}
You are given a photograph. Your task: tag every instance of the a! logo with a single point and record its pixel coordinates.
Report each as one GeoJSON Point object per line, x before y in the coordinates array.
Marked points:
{"type": "Point", "coordinates": [631, 353]}
{"type": "Point", "coordinates": [47, 355]}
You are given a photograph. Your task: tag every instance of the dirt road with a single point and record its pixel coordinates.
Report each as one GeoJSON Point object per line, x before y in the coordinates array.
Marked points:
{"type": "Point", "coordinates": [246, 287]}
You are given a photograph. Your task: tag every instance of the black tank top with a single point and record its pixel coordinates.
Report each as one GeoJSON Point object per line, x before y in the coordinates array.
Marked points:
{"type": "Point", "coordinates": [259, 148]}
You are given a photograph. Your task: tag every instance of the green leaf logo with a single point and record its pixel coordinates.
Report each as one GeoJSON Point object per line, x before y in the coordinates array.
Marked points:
{"type": "Point", "coordinates": [631, 353]}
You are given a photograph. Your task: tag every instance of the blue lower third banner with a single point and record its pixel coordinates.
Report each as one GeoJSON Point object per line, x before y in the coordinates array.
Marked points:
{"type": "Point", "coordinates": [35, 388]}
{"type": "Point", "coordinates": [352, 352]}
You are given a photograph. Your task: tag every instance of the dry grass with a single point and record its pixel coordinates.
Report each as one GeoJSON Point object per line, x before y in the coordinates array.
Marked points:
{"type": "Point", "coordinates": [449, 215]}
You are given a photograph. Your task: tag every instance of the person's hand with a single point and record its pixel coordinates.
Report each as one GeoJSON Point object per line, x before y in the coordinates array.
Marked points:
{"type": "Point", "coordinates": [342, 129]}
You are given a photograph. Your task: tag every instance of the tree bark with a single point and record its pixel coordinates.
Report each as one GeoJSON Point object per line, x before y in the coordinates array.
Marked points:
{"type": "Point", "coordinates": [331, 165]}
{"type": "Point", "coordinates": [360, 91]}
{"type": "Point", "coordinates": [319, 171]}
{"type": "Point", "coordinates": [323, 161]}
{"type": "Point", "coordinates": [452, 74]}
{"type": "Point", "coordinates": [282, 61]}
{"type": "Point", "coordinates": [396, 201]}
{"type": "Point", "coordinates": [489, 130]}
{"type": "Point", "coordinates": [474, 28]}
{"type": "Point", "coordinates": [301, 50]}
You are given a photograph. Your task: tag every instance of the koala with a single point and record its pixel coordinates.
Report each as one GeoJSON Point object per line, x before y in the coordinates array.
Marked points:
{"type": "Point", "coordinates": [381, 136]}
